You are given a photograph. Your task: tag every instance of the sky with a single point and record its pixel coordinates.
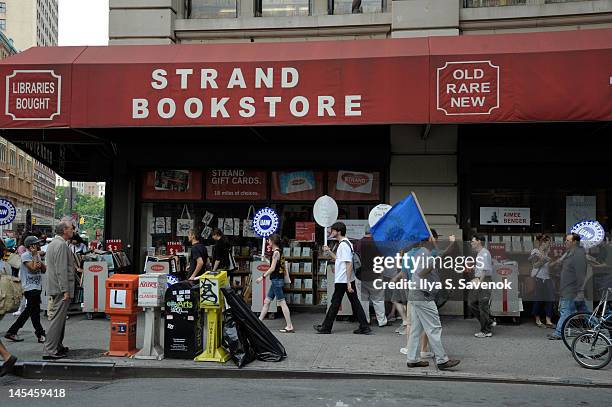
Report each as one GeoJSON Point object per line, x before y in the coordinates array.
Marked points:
{"type": "Point", "coordinates": [83, 22]}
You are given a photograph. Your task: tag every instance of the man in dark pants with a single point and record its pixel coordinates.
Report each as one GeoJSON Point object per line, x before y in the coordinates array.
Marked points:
{"type": "Point", "coordinates": [479, 297]}
{"type": "Point", "coordinates": [31, 281]}
{"type": "Point", "coordinates": [344, 283]}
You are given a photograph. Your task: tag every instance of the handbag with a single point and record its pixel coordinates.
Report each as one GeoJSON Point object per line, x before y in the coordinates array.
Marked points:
{"type": "Point", "coordinates": [10, 294]}
{"type": "Point", "coordinates": [184, 225]}
{"type": "Point", "coordinates": [14, 260]}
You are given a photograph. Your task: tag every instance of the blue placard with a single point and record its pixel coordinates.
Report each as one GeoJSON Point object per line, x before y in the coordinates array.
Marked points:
{"type": "Point", "coordinates": [265, 222]}
{"type": "Point", "coordinates": [7, 212]}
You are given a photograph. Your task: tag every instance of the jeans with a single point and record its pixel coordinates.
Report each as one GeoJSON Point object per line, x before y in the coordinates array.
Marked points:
{"type": "Point", "coordinates": [566, 308]}
{"type": "Point", "coordinates": [31, 311]}
{"type": "Point", "coordinates": [479, 305]}
{"type": "Point", "coordinates": [543, 299]}
{"type": "Point", "coordinates": [276, 289]}
{"type": "Point", "coordinates": [425, 318]}
{"type": "Point", "coordinates": [339, 290]}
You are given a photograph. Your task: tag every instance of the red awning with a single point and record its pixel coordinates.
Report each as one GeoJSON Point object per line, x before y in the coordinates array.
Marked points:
{"type": "Point", "coordinates": [559, 76]}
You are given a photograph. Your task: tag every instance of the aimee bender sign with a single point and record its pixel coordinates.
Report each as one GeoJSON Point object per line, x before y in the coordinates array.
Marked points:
{"type": "Point", "coordinates": [205, 79]}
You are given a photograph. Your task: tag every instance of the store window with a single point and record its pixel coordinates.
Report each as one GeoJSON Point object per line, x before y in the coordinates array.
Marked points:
{"type": "Point", "coordinates": [2, 24]}
{"type": "Point", "coordinates": [357, 6]}
{"type": "Point", "coordinates": [2, 153]}
{"type": "Point", "coordinates": [2, 7]}
{"type": "Point", "coordinates": [282, 8]}
{"type": "Point", "coordinates": [172, 203]}
{"type": "Point", "coordinates": [212, 9]}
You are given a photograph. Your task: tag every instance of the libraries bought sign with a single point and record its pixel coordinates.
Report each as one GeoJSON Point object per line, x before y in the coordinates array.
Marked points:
{"type": "Point", "coordinates": [33, 95]}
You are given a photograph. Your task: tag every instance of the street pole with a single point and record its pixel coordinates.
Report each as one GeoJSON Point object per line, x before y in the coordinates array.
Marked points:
{"type": "Point", "coordinates": [70, 204]}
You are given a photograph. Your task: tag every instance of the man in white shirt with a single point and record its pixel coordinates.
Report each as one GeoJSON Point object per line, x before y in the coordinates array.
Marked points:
{"type": "Point", "coordinates": [479, 298]}
{"type": "Point", "coordinates": [344, 283]}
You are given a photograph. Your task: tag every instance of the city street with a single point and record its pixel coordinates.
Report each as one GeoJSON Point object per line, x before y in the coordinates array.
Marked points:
{"type": "Point", "coordinates": [323, 393]}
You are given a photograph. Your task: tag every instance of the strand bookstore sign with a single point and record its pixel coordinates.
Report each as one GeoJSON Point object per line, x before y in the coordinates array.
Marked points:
{"type": "Point", "coordinates": [555, 76]}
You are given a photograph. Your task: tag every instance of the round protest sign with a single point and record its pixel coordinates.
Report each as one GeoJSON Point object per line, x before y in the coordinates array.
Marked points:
{"type": "Point", "coordinates": [7, 212]}
{"type": "Point", "coordinates": [377, 213]}
{"type": "Point", "coordinates": [325, 211]}
{"type": "Point", "coordinates": [590, 231]}
{"type": "Point", "coordinates": [265, 222]}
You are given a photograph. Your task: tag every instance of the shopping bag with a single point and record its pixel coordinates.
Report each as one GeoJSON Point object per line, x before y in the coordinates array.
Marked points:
{"type": "Point", "coordinates": [247, 224]}
{"type": "Point", "coordinates": [10, 293]}
{"type": "Point", "coordinates": [184, 225]}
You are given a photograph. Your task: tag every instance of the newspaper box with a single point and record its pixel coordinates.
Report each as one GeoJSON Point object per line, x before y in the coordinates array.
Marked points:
{"type": "Point", "coordinates": [211, 299]}
{"type": "Point", "coordinates": [258, 268]}
{"type": "Point", "coordinates": [95, 274]}
{"type": "Point", "coordinates": [151, 291]}
{"type": "Point", "coordinates": [121, 305]}
{"type": "Point", "coordinates": [505, 301]}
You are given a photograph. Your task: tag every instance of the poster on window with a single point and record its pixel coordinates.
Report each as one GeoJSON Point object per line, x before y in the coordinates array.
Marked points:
{"type": "Point", "coordinates": [579, 208]}
{"type": "Point", "coordinates": [305, 231]}
{"type": "Point", "coordinates": [354, 185]}
{"type": "Point", "coordinates": [297, 185]}
{"type": "Point", "coordinates": [236, 184]}
{"type": "Point", "coordinates": [505, 216]}
{"type": "Point", "coordinates": [172, 184]}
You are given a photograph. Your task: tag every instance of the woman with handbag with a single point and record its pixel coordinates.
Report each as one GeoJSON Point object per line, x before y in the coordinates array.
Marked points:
{"type": "Point", "coordinates": [544, 290]}
{"type": "Point", "coordinates": [277, 272]}
{"type": "Point", "coordinates": [8, 359]}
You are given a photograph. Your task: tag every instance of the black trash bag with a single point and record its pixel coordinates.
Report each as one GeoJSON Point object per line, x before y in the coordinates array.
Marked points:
{"type": "Point", "coordinates": [265, 345]}
{"type": "Point", "coordinates": [235, 341]}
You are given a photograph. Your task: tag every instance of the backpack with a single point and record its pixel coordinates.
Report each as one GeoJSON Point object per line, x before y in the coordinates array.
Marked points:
{"type": "Point", "coordinates": [356, 260]}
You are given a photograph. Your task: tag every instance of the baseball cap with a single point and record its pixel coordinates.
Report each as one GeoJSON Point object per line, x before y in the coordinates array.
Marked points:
{"type": "Point", "coordinates": [31, 240]}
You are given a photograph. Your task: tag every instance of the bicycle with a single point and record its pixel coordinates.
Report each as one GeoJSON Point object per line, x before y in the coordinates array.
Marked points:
{"type": "Point", "coordinates": [593, 349]}
{"type": "Point", "coordinates": [580, 322]}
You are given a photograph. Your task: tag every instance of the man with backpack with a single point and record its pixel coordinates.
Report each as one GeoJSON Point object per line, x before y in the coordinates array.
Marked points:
{"type": "Point", "coordinates": [344, 283]}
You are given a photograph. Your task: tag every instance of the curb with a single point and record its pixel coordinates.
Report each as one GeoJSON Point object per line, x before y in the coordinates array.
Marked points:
{"type": "Point", "coordinates": [111, 371]}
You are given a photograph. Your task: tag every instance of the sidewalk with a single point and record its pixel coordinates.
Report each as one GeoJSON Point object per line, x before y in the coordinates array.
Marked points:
{"type": "Point", "coordinates": [515, 354]}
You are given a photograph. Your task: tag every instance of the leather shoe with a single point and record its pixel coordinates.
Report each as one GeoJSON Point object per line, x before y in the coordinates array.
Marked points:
{"type": "Point", "coordinates": [63, 350]}
{"type": "Point", "coordinates": [448, 364]}
{"type": "Point", "coordinates": [320, 330]}
{"type": "Point", "coordinates": [418, 364]}
{"type": "Point", "coordinates": [8, 366]}
{"type": "Point", "coordinates": [55, 356]}
{"type": "Point", "coordinates": [366, 331]}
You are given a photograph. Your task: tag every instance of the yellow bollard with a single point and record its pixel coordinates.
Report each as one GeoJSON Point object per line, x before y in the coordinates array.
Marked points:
{"type": "Point", "coordinates": [211, 299]}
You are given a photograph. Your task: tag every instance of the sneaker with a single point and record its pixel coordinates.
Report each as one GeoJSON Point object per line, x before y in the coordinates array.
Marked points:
{"type": "Point", "coordinates": [13, 337]}
{"type": "Point", "coordinates": [404, 351]}
{"type": "Point", "coordinates": [55, 356]}
{"type": "Point", "coordinates": [448, 364]}
{"type": "Point", "coordinates": [553, 337]}
{"type": "Point", "coordinates": [483, 334]}
{"type": "Point", "coordinates": [426, 355]}
{"type": "Point", "coordinates": [418, 364]}
{"type": "Point", "coordinates": [389, 323]}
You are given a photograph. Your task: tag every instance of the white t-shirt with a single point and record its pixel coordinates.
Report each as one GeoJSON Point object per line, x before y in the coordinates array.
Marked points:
{"type": "Point", "coordinates": [344, 254]}
{"type": "Point", "coordinates": [484, 259]}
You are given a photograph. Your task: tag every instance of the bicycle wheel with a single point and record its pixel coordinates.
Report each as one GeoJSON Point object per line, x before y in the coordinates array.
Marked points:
{"type": "Point", "coordinates": [576, 324]}
{"type": "Point", "coordinates": [592, 350]}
